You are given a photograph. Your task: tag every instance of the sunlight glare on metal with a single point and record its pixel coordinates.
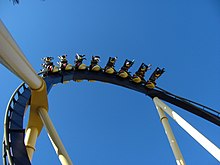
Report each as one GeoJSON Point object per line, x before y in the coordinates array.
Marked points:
{"type": "Point", "coordinates": [54, 137]}
{"type": "Point", "coordinates": [170, 136]}
{"type": "Point", "coordinates": [201, 139]}
{"type": "Point", "coordinates": [12, 58]}
{"type": "Point", "coordinates": [179, 162]}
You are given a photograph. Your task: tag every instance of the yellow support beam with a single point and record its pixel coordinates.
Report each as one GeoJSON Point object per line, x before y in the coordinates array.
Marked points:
{"type": "Point", "coordinates": [34, 126]}
{"type": "Point", "coordinates": [13, 58]}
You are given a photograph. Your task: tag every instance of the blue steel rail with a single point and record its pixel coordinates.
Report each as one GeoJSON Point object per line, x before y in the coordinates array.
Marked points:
{"type": "Point", "coordinates": [14, 151]}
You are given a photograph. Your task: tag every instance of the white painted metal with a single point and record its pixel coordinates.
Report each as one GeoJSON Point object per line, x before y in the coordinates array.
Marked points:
{"type": "Point", "coordinates": [30, 141]}
{"type": "Point", "coordinates": [12, 57]}
{"type": "Point", "coordinates": [201, 139]}
{"type": "Point", "coordinates": [54, 137]}
{"type": "Point", "coordinates": [174, 146]}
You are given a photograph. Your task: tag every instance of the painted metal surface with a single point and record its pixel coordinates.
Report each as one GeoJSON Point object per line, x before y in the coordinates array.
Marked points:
{"type": "Point", "coordinates": [12, 58]}
{"type": "Point", "coordinates": [103, 77]}
{"type": "Point", "coordinates": [201, 139]}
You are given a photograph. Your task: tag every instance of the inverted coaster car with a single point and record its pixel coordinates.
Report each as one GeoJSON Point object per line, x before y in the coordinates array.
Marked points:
{"type": "Point", "coordinates": [150, 84]}
{"type": "Point", "coordinates": [63, 63]}
{"type": "Point", "coordinates": [109, 70]}
{"type": "Point", "coordinates": [123, 72]}
{"type": "Point", "coordinates": [68, 67]}
{"type": "Point", "coordinates": [138, 77]}
{"type": "Point", "coordinates": [48, 66]}
{"type": "Point", "coordinates": [94, 64]}
{"type": "Point", "coordinates": [78, 62]}
{"type": "Point", "coordinates": [110, 66]}
{"type": "Point", "coordinates": [81, 67]}
{"type": "Point", "coordinates": [53, 69]}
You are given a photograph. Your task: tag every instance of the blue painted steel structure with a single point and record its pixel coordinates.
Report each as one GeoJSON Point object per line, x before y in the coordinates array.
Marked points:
{"type": "Point", "coordinates": [14, 151]}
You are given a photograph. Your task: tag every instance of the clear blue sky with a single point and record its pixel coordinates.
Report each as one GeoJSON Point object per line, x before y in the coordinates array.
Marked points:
{"type": "Point", "coordinates": [102, 124]}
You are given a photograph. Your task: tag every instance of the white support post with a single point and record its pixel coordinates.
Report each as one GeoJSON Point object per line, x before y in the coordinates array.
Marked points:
{"type": "Point", "coordinates": [12, 57]}
{"type": "Point", "coordinates": [54, 137]}
{"type": "Point", "coordinates": [201, 139]}
{"type": "Point", "coordinates": [30, 141]}
{"type": "Point", "coordinates": [174, 146]}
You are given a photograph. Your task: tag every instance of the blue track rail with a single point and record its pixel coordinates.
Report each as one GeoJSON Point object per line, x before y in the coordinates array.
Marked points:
{"type": "Point", "coordinates": [14, 151]}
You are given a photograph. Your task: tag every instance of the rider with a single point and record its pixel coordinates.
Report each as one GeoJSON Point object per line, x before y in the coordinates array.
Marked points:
{"type": "Point", "coordinates": [94, 63]}
{"type": "Point", "coordinates": [78, 62]}
{"type": "Point", "coordinates": [63, 62]}
{"type": "Point", "coordinates": [110, 66]}
{"type": "Point", "coordinates": [141, 71]}
{"type": "Point", "coordinates": [48, 65]}
{"type": "Point", "coordinates": [151, 83]}
{"type": "Point", "coordinates": [125, 67]}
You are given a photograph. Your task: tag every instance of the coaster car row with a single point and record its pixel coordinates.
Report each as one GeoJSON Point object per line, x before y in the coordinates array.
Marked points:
{"type": "Point", "coordinates": [137, 77]}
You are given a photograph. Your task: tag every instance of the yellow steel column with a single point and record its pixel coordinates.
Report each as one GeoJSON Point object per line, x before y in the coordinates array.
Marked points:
{"type": "Point", "coordinates": [54, 137]}
{"type": "Point", "coordinates": [34, 126]}
{"type": "Point", "coordinates": [174, 146]}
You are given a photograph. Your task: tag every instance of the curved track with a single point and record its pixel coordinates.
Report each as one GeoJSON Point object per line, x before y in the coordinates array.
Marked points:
{"type": "Point", "coordinates": [14, 150]}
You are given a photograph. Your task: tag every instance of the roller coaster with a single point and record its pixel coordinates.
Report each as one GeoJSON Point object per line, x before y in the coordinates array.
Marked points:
{"type": "Point", "coordinates": [19, 140]}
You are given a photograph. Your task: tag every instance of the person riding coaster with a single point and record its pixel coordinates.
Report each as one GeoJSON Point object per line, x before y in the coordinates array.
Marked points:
{"type": "Point", "coordinates": [138, 77]}
{"type": "Point", "coordinates": [151, 83]}
{"type": "Point", "coordinates": [94, 64]}
{"type": "Point", "coordinates": [48, 66]}
{"type": "Point", "coordinates": [63, 63]}
{"type": "Point", "coordinates": [78, 62]}
{"type": "Point", "coordinates": [123, 72]}
{"type": "Point", "coordinates": [110, 66]}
